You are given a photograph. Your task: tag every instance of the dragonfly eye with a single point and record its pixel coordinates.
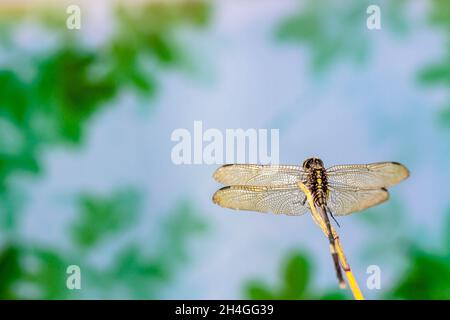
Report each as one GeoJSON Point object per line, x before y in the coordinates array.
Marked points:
{"type": "Point", "coordinates": [307, 163]}
{"type": "Point", "coordinates": [312, 163]}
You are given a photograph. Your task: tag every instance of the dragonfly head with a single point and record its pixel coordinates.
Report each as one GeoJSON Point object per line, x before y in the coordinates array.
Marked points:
{"type": "Point", "coordinates": [312, 163]}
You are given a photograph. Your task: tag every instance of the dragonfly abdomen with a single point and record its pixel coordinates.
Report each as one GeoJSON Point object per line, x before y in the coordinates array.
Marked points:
{"type": "Point", "coordinates": [318, 185]}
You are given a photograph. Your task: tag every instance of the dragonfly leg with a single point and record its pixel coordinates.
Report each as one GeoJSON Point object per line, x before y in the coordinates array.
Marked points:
{"type": "Point", "coordinates": [332, 216]}
{"type": "Point", "coordinates": [304, 201]}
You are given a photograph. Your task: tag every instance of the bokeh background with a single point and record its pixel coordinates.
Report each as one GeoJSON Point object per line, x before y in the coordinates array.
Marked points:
{"type": "Point", "coordinates": [86, 176]}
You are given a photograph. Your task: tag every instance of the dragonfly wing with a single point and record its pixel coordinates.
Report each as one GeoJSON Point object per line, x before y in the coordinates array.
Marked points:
{"type": "Point", "coordinates": [367, 176]}
{"type": "Point", "coordinates": [287, 199]}
{"type": "Point", "coordinates": [345, 200]}
{"type": "Point", "coordinates": [259, 175]}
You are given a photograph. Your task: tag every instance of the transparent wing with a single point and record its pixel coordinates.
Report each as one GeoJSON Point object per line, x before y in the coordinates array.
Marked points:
{"type": "Point", "coordinates": [259, 175]}
{"type": "Point", "coordinates": [287, 199]}
{"type": "Point", "coordinates": [367, 176]}
{"type": "Point", "coordinates": [345, 200]}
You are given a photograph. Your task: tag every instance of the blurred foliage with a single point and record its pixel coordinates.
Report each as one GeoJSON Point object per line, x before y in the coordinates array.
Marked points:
{"type": "Point", "coordinates": [103, 216]}
{"type": "Point", "coordinates": [324, 28]}
{"type": "Point", "coordinates": [438, 73]}
{"type": "Point", "coordinates": [386, 217]}
{"type": "Point", "coordinates": [180, 227]}
{"type": "Point", "coordinates": [427, 275]}
{"type": "Point", "coordinates": [146, 276]}
{"type": "Point", "coordinates": [295, 283]}
{"type": "Point", "coordinates": [34, 271]}
{"type": "Point", "coordinates": [47, 98]}
{"type": "Point", "coordinates": [37, 113]}
{"type": "Point", "coordinates": [51, 103]}
{"type": "Point", "coordinates": [332, 31]}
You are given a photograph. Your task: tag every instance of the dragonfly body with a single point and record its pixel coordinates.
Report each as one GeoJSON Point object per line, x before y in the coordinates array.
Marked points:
{"type": "Point", "coordinates": [316, 180]}
{"type": "Point", "coordinates": [339, 190]}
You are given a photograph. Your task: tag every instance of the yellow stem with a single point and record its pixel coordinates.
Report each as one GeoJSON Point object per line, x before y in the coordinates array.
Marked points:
{"type": "Point", "coordinates": [357, 294]}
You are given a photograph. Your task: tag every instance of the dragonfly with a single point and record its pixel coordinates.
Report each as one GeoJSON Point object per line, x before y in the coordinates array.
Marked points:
{"type": "Point", "coordinates": [336, 191]}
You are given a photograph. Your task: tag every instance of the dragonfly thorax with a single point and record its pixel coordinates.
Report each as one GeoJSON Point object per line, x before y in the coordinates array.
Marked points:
{"type": "Point", "coordinates": [317, 182]}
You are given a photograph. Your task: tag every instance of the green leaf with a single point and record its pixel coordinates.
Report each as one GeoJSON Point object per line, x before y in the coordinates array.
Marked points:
{"type": "Point", "coordinates": [333, 295]}
{"type": "Point", "coordinates": [295, 282]}
{"type": "Point", "coordinates": [32, 273]}
{"type": "Point", "coordinates": [257, 290]}
{"type": "Point", "coordinates": [427, 277]}
{"type": "Point", "coordinates": [296, 277]}
{"type": "Point", "coordinates": [11, 271]}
